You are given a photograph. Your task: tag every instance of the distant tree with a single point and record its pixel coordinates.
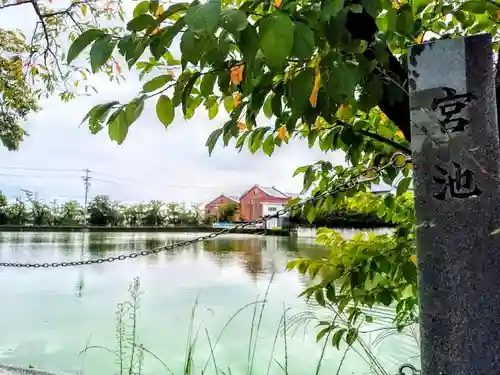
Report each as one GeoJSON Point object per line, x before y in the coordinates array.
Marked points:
{"type": "Point", "coordinates": [227, 211]}
{"type": "Point", "coordinates": [41, 213]}
{"type": "Point", "coordinates": [4, 205]}
{"type": "Point", "coordinates": [208, 220]}
{"type": "Point", "coordinates": [69, 213]}
{"type": "Point", "coordinates": [101, 211]}
{"type": "Point", "coordinates": [18, 213]}
{"type": "Point", "coordinates": [154, 214]}
{"type": "Point", "coordinates": [174, 213]}
{"type": "Point", "coordinates": [133, 214]}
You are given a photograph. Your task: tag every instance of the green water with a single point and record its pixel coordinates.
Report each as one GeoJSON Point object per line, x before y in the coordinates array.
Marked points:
{"type": "Point", "coordinates": [48, 316]}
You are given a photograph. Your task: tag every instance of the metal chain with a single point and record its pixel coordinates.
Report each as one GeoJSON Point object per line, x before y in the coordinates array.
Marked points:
{"type": "Point", "coordinates": [413, 369]}
{"type": "Point", "coordinates": [398, 160]}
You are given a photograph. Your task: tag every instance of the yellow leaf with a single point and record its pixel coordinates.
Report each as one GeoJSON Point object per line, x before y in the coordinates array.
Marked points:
{"type": "Point", "coordinates": [383, 117]}
{"type": "Point", "coordinates": [414, 259]}
{"type": "Point", "coordinates": [396, 4]}
{"type": "Point", "coordinates": [317, 123]}
{"type": "Point", "coordinates": [283, 133]}
{"type": "Point", "coordinates": [237, 99]}
{"type": "Point", "coordinates": [242, 126]}
{"type": "Point", "coordinates": [155, 31]}
{"type": "Point", "coordinates": [313, 99]}
{"type": "Point", "coordinates": [159, 11]}
{"type": "Point", "coordinates": [399, 134]}
{"type": "Point", "coordinates": [344, 112]}
{"type": "Point", "coordinates": [277, 3]}
{"type": "Point", "coordinates": [419, 38]}
{"type": "Point", "coordinates": [236, 75]}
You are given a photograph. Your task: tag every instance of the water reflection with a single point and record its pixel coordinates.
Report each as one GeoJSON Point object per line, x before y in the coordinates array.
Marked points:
{"type": "Point", "coordinates": [38, 319]}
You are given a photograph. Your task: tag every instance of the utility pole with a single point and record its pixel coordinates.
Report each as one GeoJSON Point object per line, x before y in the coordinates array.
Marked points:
{"type": "Point", "coordinates": [86, 184]}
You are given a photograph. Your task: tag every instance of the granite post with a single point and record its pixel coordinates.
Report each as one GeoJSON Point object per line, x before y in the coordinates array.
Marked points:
{"type": "Point", "coordinates": [456, 156]}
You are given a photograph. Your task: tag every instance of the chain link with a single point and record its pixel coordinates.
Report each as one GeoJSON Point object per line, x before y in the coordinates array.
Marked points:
{"type": "Point", "coordinates": [398, 160]}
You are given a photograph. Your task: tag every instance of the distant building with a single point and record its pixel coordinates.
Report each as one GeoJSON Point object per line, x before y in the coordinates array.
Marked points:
{"type": "Point", "coordinates": [211, 208]}
{"type": "Point", "coordinates": [259, 201]}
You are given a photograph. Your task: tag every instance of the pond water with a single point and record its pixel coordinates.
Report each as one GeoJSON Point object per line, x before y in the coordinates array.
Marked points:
{"type": "Point", "coordinates": [48, 316]}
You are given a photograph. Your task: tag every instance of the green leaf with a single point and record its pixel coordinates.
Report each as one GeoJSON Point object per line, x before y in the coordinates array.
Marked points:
{"type": "Point", "coordinates": [351, 336]}
{"type": "Point", "coordinates": [385, 297]}
{"type": "Point", "coordinates": [153, 6]}
{"type": "Point", "coordinates": [474, 6]}
{"type": "Point", "coordinates": [255, 140]}
{"type": "Point", "coordinates": [320, 297]}
{"type": "Point", "coordinates": [207, 84]}
{"type": "Point", "coordinates": [141, 22]}
{"type": "Point", "coordinates": [372, 7]}
{"type": "Point", "coordinates": [330, 293]}
{"type": "Point", "coordinates": [141, 8]}
{"type": "Point", "coordinates": [213, 110]}
{"type": "Point", "coordinates": [186, 93]}
{"type": "Point", "coordinates": [303, 41]}
{"type": "Point", "coordinates": [191, 47]}
{"type": "Point", "coordinates": [228, 103]}
{"type": "Point", "coordinates": [212, 139]}
{"type": "Point", "coordinates": [268, 146]}
{"type": "Point", "coordinates": [311, 215]}
{"type": "Point", "coordinates": [300, 170]}
{"type": "Point", "coordinates": [157, 83]}
{"type": "Point", "coordinates": [81, 42]}
{"type": "Point", "coordinates": [133, 110]}
{"type": "Point", "coordinates": [276, 37]}
{"type": "Point", "coordinates": [409, 272]}
{"type": "Point", "coordinates": [165, 110]}
{"type": "Point", "coordinates": [369, 319]}
{"type": "Point", "coordinates": [268, 110]}
{"type": "Point", "coordinates": [322, 333]}
{"type": "Point", "coordinates": [337, 337]}
{"type": "Point", "coordinates": [330, 8]}
{"type": "Point", "coordinates": [299, 91]}
{"type": "Point", "coordinates": [241, 141]}
{"type": "Point", "coordinates": [204, 18]}
{"type": "Point", "coordinates": [101, 51]}
{"type": "Point", "coordinates": [163, 40]}
{"type": "Point", "coordinates": [97, 112]}
{"type": "Point", "coordinates": [403, 185]}
{"type": "Point", "coordinates": [233, 20]}
{"type": "Point", "coordinates": [118, 127]}
{"type": "Point", "coordinates": [309, 177]}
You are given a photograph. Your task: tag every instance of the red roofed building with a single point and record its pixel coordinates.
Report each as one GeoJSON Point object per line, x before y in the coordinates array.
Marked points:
{"type": "Point", "coordinates": [212, 207]}
{"type": "Point", "coordinates": [259, 201]}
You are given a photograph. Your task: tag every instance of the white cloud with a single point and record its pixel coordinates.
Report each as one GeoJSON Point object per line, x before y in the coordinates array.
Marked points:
{"type": "Point", "coordinates": [153, 163]}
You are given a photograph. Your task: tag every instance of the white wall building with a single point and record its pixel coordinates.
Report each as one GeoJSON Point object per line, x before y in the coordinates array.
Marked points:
{"type": "Point", "coordinates": [271, 209]}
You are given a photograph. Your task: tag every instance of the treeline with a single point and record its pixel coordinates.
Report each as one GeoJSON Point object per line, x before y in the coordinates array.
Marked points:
{"type": "Point", "coordinates": [101, 211]}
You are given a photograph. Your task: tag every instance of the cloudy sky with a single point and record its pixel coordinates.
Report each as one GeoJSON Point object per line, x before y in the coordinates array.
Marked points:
{"type": "Point", "coordinates": [153, 163]}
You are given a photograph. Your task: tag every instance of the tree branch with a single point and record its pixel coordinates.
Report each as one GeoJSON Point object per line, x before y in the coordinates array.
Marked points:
{"type": "Point", "coordinates": [376, 137]}
{"type": "Point", "coordinates": [362, 26]}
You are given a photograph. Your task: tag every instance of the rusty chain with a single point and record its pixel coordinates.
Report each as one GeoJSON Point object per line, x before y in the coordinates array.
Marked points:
{"type": "Point", "coordinates": [398, 161]}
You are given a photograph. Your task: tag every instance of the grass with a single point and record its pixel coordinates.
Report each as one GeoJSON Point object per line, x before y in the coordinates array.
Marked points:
{"type": "Point", "coordinates": [129, 353]}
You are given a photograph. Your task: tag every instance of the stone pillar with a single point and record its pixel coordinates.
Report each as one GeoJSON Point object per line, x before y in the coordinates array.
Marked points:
{"type": "Point", "coordinates": [456, 155]}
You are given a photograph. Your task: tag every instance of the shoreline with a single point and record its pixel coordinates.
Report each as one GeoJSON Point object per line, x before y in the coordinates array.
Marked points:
{"type": "Point", "coordinates": [177, 229]}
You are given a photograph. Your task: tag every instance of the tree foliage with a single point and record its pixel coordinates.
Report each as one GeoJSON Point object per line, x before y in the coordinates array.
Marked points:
{"type": "Point", "coordinates": [102, 211]}
{"type": "Point", "coordinates": [33, 66]}
{"type": "Point", "coordinates": [227, 212]}
{"type": "Point", "coordinates": [332, 72]}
